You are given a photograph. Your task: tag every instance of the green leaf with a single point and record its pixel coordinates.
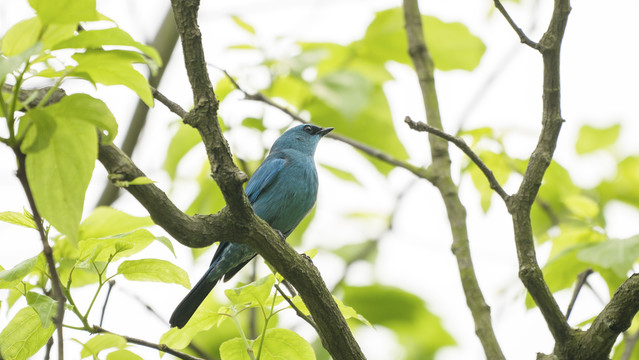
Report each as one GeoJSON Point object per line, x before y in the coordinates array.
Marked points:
{"type": "Point", "coordinates": [254, 293]}
{"type": "Point", "coordinates": [24, 335]}
{"type": "Point", "coordinates": [39, 126]}
{"type": "Point", "coordinates": [166, 242]}
{"type": "Point", "coordinates": [114, 67]}
{"type": "Point", "coordinates": [203, 319]}
{"type": "Point", "coordinates": [405, 313]}
{"type": "Point", "coordinates": [243, 24]}
{"type": "Point", "coordinates": [209, 199]}
{"type": "Point", "coordinates": [123, 354]}
{"type": "Point", "coordinates": [101, 342]}
{"type": "Point", "coordinates": [181, 143]}
{"type": "Point", "coordinates": [96, 39]}
{"type": "Point", "coordinates": [342, 174]}
{"type": "Point", "coordinates": [154, 270]}
{"type": "Point", "coordinates": [116, 246]}
{"type": "Point", "coordinates": [592, 139]}
{"type": "Point", "coordinates": [624, 186]}
{"type": "Point", "coordinates": [45, 306]}
{"type": "Point", "coordinates": [278, 344]}
{"type": "Point", "coordinates": [20, 37]}
{"type": "Point", "coordinates": [106, 221]}
{"type": "Point", "coordinates": [581, 206]}
{"type": "Point", "coordinates": [59, 174]}
{"type": "Point", "coordinates": [617, 255]}
{"type": "Point", "coordinates": [366, 250]}
{"type": "Point", "coordinates": [451, 45]}
{"type": "Point", "coordinates": [140, 180]}
{"type": "Point", "coordinates": [85, 108]}
{"type": "Point", "coordinates": [498, 164]}
{"type": "Point", "coordinates": [64, 11]}
{"type": "Point", "coordinates": [9, 278]}
{"type": "Point", "coordinates": [17, 218]}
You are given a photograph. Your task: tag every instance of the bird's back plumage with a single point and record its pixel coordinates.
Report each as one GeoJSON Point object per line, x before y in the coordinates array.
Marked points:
{"type": "Point", "coordinates": [282, 191]}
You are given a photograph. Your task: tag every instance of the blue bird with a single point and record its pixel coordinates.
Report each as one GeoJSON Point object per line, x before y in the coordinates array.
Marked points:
{"type": "Point", "coordinates": [282, 191]}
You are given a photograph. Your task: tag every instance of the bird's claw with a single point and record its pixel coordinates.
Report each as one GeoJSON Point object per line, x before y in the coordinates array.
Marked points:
{"type": "Point", "coordinates": [280, 234]}
{"type": "Point", "coordinates": [307, 257]}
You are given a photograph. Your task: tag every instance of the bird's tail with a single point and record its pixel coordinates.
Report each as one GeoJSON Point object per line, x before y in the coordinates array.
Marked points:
{"type": "Point", "coordinates": [193, 299]}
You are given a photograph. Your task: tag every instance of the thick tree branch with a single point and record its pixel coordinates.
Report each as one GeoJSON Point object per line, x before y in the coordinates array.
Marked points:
{"type": "Point", "coordinates": [164, 42]}
{"type": "Point", "coordinates": [440, 168]}
{"type": "Point", "coordinates": [520, 204]}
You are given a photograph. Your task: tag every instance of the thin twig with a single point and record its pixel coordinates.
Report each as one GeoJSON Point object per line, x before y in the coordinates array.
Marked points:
{"type": "Point", "coordinates": [161, 347]}
{"type": "Point", "coordinates": [581, 281]}
{"type": "Point", "coordinates": [174, 107]}
{"type": "Point", "coordinates": [106, 300]}
{"type": "Point", "coordinates": [522, 36]}
{"type": "Point", "coordinates": [461, 144]}
{"type": "Point", "coordinates": [373, 152]}
{"type": "Point", "coordinates": [58, 293]}
{"type": "Point", "coordinates": [299, 312]}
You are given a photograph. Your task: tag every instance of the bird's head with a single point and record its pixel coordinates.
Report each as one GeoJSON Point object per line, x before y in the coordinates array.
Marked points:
{"type": "Point", "coordinates": [302, 137]}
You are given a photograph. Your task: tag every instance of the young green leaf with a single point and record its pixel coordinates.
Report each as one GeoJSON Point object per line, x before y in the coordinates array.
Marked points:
{"type": "Point", "coordinates": [45, 306]}
{"type": "Point", "coordinates": [616, 254]}
{"type": "Point", "coordinates": [20, 37]}
{"type": "Point", "coordinates": [96, 39]}
{"type": "Point", "coordinates": [342, 174]}
{"type": "Point", "coordinates": [123, 354]}
{"type": "Point", "coordinates": [181, 143]}
{"type": "Point", "coordinates": [59, 174]}
{"type": "Point", "coordinates": [9, 278]}
{"type": "Point", "coordinates": [154, 270]}
{"type": "Point", "coordinates": [203, 319]}
{"type": "Point", "coordinates": [114, 67]}
{"type": "Point", "coordinates": [38, 127]}
{"type": "Point", "coordinates": [64, 11]}
{"type": "Point", "coordinates": [24, 335]}
{"type": "Point", "coordinates": [254, 293]}
{"type": "Point", "coordinates": [101, 342]}
{"type": "Point", "coordinates": [114, 247]}
{"type": "Point", "coordinates": [243, 24]}
{"type": "Point", "coordinates": [278, 344]}
{"type": "Point", "coordinates": [10, 64]}
{"type": "Point", "coordinates": [106, 221]}
{"type": "Point", "coordinates": [17, 218]}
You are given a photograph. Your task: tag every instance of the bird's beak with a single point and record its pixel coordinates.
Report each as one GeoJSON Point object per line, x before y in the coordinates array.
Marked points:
{"type": "Point", "coordinates": [325, 131]}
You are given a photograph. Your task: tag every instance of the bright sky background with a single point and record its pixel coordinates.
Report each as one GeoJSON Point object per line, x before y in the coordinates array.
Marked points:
{"type": "Point", "coordinates": [599, 87]}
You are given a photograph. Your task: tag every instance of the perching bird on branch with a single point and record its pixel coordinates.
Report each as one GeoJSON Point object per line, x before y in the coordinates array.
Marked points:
{"type": "Point", "coordinates": [282, 191]}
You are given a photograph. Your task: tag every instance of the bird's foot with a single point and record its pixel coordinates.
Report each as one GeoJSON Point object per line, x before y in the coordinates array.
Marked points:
{"type": "Point", "coordinates": [307, 257]}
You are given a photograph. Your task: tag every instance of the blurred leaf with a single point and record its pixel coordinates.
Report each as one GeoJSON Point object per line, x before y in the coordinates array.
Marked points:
{"type": "Point", "coordinates": [101, 342]}
{"type": "Point", "coordinates": [154, 270]}
{"type": "Point", "coordinates": [123, 354]}
{"type": "Point", "coordinates": [114, 67]}
{"type": "Point", "coordinates": [254, 293]}
{"type": "Point", "coordinates": [402, 312]}
{"type": "Point", "coordinates": [244, 25]}
{"type": "Point", "coordinates": [592, 139]}
{"type": "Point", "coordinates": [581, 206]}
{"type": "Point", "coordinates": [575, 234]}
{"type": "Point", "coordinates": [203, 319]}
{"type": "Point", "coordinates": [342, 174]}
{"type": "Point", "coordinates": [166, 242]}
{"type": "Point", "coordinates": [17, 218]}
{"type": "Point", "coordinates": [499, 165]}
{"type": "Point", "coordinates": [209, 199]}
{"type": "Point", "coordinates": [24, 335]}
{"type": "Point", "coordinates": [181, 143]}
{"type": "Point", "coordinates": [10, 278]}
{"type": "Point", "coordinates": [478, 134]}
{"type": "Point", "coordinates": [296, 236]}
{"type": "Point", "coordinates": [624, 186]}
{"type": "Point", "coordinates": [96, 39]}
{"type": "Point", "coordinates": [345, 91]}
{"type": "Point", "coordinates": [64, 11]}
{"type": "Point", "coordinates": [20, 37]}
{"type": "Point", "coordinates": [280, 344]}
{"type": "Point", "coordinates": [10, 64]}
{"type": "Point", "coordinates": [451, 45]}
{"type": "Point", "coordinates": [617, 255]}
{"type": "Point", "coordinates": [366, 250]}
{"type": "Point", "coordinates": [45, 306]}
{"type": "Point", "coordinates": [254, 123]}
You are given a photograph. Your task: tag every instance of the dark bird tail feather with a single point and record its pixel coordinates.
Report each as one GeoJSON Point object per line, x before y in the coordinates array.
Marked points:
{"type": "Point", "coordinates": [192, 301]}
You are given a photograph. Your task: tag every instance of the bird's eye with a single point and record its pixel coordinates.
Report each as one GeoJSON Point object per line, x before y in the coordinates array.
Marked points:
{"type": "Point", "coordinates": [308, 129]}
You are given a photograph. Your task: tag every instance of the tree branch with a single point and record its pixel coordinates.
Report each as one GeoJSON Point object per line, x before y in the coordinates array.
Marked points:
{"type": "Point", "coordinates": [97, 329]}
{"type": "Point", "coordinates": [522, 36]}
{"type": "Point", "coordinates": [520, 204]}
{"type": "Point", "coordinates": [442, 179]}
{"type": "Point", "coordinates": [370, 151]}
{"type": "Point", "coordinates": [461, 144]}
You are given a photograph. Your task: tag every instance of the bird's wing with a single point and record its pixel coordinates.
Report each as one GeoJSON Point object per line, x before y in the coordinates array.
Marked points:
{"type": "Point", "coordinates": [263, 177]}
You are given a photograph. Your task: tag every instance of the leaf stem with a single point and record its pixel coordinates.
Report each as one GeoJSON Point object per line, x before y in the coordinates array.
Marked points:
{"type": "Point", "coordinates": [249, 349]}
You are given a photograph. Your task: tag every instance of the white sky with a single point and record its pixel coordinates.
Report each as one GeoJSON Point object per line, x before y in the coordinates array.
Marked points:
{"type": "Point", "coordinates": [599, 87]}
